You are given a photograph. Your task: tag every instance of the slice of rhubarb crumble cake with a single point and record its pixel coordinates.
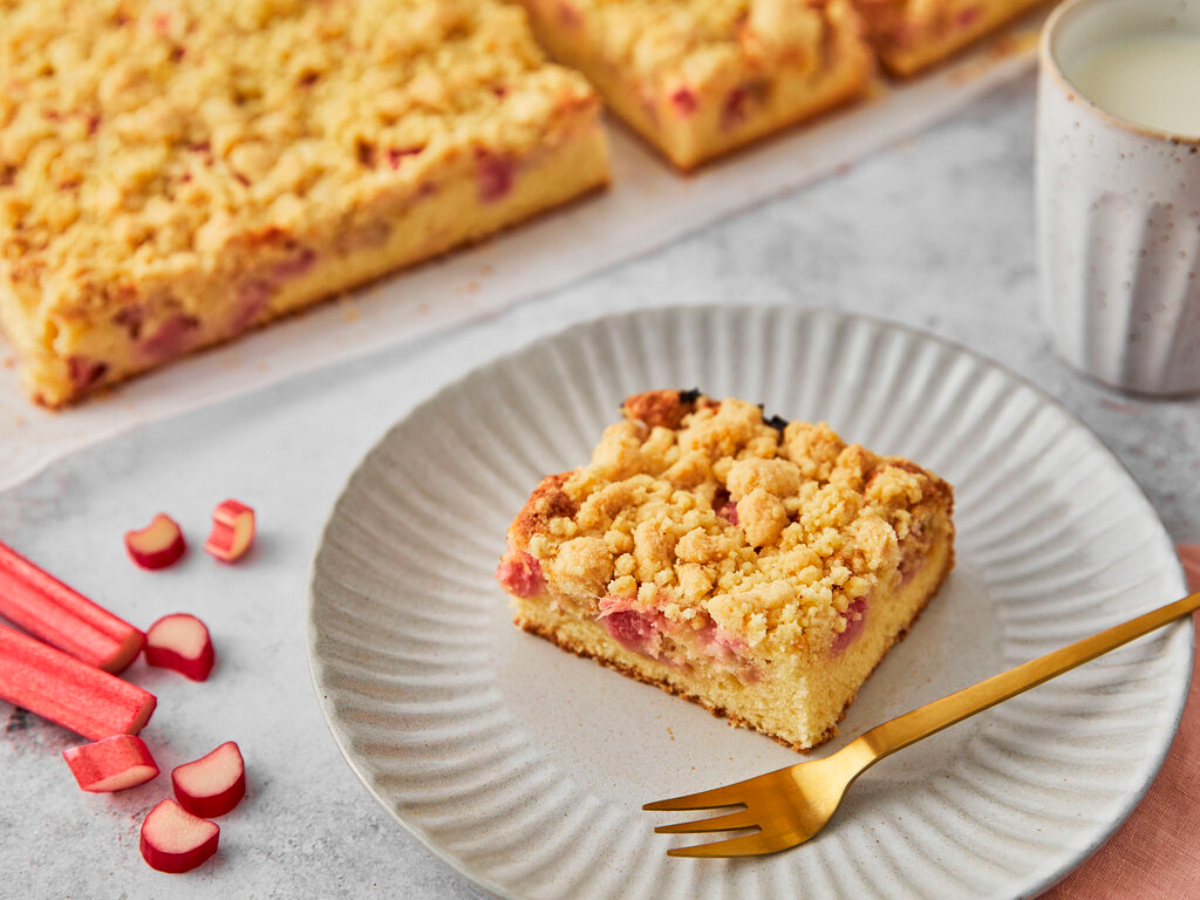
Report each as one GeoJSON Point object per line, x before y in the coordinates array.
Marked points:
{"type": "Point", "coordinates": [912, 35]}
{"type": "Point", "coordinates": [699, 78]}
{"type": "Point", "coordinates": [758, 567]}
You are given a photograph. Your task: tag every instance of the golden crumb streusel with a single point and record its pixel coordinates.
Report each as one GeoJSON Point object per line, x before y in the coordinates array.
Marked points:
{"type": "Point", "coordinates": [818, 523]}
{"type": "Point", "coordinates": [700, 78]}
{"type": "Point", "coordinates": [139, 137]}
{"type": "Point", "coordinates": [911, 35]}
{"type": "Point", "coordinates": [695, 42]}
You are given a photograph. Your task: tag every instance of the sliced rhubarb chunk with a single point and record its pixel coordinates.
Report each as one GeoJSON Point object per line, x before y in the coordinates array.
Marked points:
{"type": "Point", "coordinates": [232, 531]}
{"type": "Point", "coordinates": [180, 642]}
{"type": "Point", "coordinates": [113, 764]}
{"type": "Point", "coordinates": [212, 785]}
{"type": "Point", "coordinates": [157, 545]}
{"type": "Point", "coordinates": [856, 620]}
{"type": "Point", "coordinates": [685, 101]}
{"type": "Point", "coordinates": [495, 175]}
{"type": "Point", "coordinates": [64, 690]}
{"type": "Point", "coordinates": [637, 631]}
{"type": "Point", "coordinates": [520, 573]}
{"type": "Point", "coordinates": [171, 339]}
{"type": "Point", "coordinates": [61, 616]}
{"type": "Point", "coordinates": [175, 841]}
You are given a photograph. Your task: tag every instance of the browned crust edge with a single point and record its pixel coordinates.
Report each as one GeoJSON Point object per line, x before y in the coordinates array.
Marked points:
{"type": "Point", "coordinates": [547, 501]}
{"type": "Point", "coordinates": [721, 712]}
{"type": "Point", "coordinates": [106, 389]}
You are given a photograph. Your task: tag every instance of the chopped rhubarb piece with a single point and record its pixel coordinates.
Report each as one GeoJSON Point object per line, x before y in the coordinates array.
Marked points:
{"type": "Point", "coordinates": [253, 297]}
{"type": "Point", "coordinates": [733, 113]}
{"type": "Point", "coordinates": [521, 574]}
{"type": "Point", "coordinates": [685, 101]}
{"type": "Point", "coordinates": [634, 631]}
{"type": "Point", "coordinates": [969, 16]}
{"type": "Point", "coordinates": [113, 764]}
{"type": "Point", "coordinates": [638, 631]}
{"type": "Point", "coordinates": [48, 609]}
{"type": "Point", "coordinates": [495, 175]}
{"type": "Point", "coordinates": [295, 266]}
{"type": "Point", "coordinates": [180, 642]}
{"type": "Point", "coordinates": [60, 688]}
{"type": "Point", "coordinates": [85, 372]}
{"type": "Point", "coordinates": [212, 785]}
{"type": "Point", "coordinates": [728, 512]}
{"type": "Point", "coordinates": [171, 338]}
{"type": "Point", "coordinates": [856, 619]}
{"type": "Point", "coordinates": [719, 644]}
{"type": "Point", "coordinates": [157, 545]}
{"type": "Point", "coordinates": [232, 531]}
{"type": "Point", "coordinates": [173, 840]}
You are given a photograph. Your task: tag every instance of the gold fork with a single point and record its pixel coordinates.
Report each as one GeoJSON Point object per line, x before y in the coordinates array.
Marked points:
{"type": "Point", "coordinates": [789, 806]}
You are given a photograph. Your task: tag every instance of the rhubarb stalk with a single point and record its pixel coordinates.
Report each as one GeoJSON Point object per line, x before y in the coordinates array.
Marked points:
{"type": "Point", "coordinates": [113, 764]}
{"type": "Point", "coordinates": [61, 616]}
{"type": "Point", "coordinates": [64, 690]}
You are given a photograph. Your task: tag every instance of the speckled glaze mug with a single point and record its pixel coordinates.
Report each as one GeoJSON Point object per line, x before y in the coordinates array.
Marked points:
{"type": "Point", "coordinates": [1118, 208]}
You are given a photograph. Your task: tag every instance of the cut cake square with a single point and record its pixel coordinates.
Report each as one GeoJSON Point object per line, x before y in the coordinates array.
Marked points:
{"type": "Point", "coordinates": [759, 568]}
{"type": "Point", "coordinates": [173, 174]}
{"type": "Point", "coordinates": [911, 35]}
{"type": "Point", "coordinates": [698, 78]}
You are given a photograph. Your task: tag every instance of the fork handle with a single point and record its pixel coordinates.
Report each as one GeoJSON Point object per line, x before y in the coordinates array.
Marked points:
{"type": "Point", "coordinates": [933, 717]}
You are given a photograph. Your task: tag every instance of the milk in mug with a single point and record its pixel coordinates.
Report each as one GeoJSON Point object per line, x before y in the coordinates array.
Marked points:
{"type": "Point", "coordinates": [1152, 79]}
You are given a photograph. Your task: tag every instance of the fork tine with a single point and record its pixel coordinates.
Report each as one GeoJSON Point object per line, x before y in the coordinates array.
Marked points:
{"type": "Point", "coordinates": [746, 845]}
{"type": "Point", "coordinates": [730, 795]}
{"type": "Point", "coordinates": [732, 822]}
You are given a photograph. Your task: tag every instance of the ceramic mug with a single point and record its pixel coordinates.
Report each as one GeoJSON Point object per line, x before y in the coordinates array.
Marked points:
{"type": "Point", "coordinates": [1118, 209]}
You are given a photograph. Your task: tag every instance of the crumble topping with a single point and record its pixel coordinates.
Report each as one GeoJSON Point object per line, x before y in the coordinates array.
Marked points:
{"type": "Point", "coordinates": [818, 524]}
{"type": "Point", "coordinates": [903, 22]}
{"type": "Point", "coordinates": [696, 42]}
{"type": "Point", "coordinates": [140, 137]}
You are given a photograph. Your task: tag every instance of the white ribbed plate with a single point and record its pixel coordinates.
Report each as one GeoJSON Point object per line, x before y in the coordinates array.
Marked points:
{"type": "Point", "coordinates": [525, 767]}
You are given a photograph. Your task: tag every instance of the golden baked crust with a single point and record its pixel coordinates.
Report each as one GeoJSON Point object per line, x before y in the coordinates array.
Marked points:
{"type": "Point", "coordinates": [699, 78]}
{"type": "Point", "coordinates": [160, 158]}
{"type": "Point", "coordinates": [818, 523]}
{"type": "Point", "coordinates": [911, 35]}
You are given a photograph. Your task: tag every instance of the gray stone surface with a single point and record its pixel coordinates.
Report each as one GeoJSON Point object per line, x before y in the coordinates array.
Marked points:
{"type": "Point", "coordinates": [937, 233]}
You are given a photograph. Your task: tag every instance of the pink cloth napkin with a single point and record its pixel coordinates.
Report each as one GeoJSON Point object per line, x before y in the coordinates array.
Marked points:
{"type": "Point", "coordinates": [1155, 855]}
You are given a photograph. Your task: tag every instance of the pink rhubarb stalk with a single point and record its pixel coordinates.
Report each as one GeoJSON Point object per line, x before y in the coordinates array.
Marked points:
{"type": "Point", "coordinates": [113, 764]}
{"type": "Point", "coordinates": [61, 616]}
{"type": "Point", "coordinates": [60, 688]}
